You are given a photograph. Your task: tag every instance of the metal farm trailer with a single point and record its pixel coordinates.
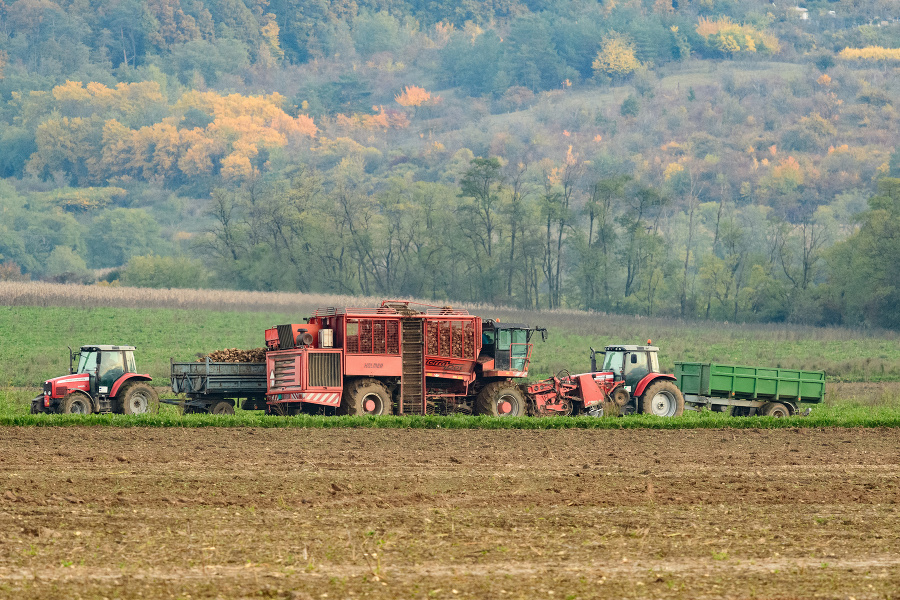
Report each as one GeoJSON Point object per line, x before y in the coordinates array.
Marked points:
{"type": "Point", "coordinates": [748, 390]}
{"type": "Point", "coordinates": [215, 387]}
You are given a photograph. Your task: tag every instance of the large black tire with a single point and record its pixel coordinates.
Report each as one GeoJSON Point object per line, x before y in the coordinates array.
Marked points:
{"type": "Point", "coordinates": [223, 407]}
{"type": "Point", "coordinates": [137, 398]}
{"type": "Point", "coordinates": [76, 404]}
{"type": "Point", "coordinates": [366, 397]}
{"type": "Point", "coordinates": [501, 399]}
{"type": "Point", "coordinates": [663, 399]}
{"type": "Point", "coordinates": [774, 409]}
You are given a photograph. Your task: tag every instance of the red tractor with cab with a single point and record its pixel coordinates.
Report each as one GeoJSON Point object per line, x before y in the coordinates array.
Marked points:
{"type": "Point", "coordinates": [629, 381]}
{"type": "Point", "coordinates": [101, 378]}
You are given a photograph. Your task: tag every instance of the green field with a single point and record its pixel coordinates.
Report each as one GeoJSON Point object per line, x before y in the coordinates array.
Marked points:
{"type": "Point", "coordinates": [35, 340]}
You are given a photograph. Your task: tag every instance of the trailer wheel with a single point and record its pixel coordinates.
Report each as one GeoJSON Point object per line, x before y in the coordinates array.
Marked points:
{"type": "Point", "coordinates": [222, 407]}
{"type": "Point", "coordinates": [75, 404]}
{"type": "Point", "coordinates": [137, 398]}
{"type": "Point", "coordinates": [663, 399]}
{"type": "Point", "coordinates": [774, 409]}
{"type": "Point", "coordinates": [366, 397]}
{"type": "Point", "coordinates": [501, 399]}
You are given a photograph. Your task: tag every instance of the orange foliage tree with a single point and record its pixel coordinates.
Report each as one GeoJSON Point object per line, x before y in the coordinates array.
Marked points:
{"type": "Point", "coordinates": [413, 96]}
{"type": "Point", "coordinates": [99, 143]}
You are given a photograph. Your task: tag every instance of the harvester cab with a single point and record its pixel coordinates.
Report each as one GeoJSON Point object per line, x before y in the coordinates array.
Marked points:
{"type": "Point", "coordinates": [509, 345]}
{"type": "Point", "coordinates": [102, 378]}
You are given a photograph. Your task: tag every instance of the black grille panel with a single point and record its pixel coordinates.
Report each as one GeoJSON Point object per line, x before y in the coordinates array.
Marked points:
{"type": "Point", "coordinates": [285, 337]}
{"type": "Point", "coordinates": [324, 370]}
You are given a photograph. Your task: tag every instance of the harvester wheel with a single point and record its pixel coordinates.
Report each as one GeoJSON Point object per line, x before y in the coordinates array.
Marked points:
{"type": "Point", "coordinates": [222, 407]}
{"type": "Point", "coordinates": [75, 404]}
{"type": "Point", "coordinates": [774, 409]}
{"type": "Point", "coordinates": [137, 398]}
{"type": "Point", "coordinates": [366, 397]}
{"type": "Point", "coordinates": [501, 399]}
{"type": "Point", "coordinates": [663, 399]}
{"type": "Point", "coordinates": [620, 396]}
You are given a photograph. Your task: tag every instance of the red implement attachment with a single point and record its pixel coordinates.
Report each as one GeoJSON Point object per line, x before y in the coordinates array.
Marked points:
{"type": "Point", "coordinates": [566, 394]}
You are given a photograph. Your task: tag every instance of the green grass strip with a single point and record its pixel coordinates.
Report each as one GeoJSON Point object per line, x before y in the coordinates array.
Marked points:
{"type": "Point", "coordinates": [888, 419]}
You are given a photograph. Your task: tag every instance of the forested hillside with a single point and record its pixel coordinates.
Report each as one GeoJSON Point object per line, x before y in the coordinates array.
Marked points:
{"type": "Point", "coordinates": [721, 159]}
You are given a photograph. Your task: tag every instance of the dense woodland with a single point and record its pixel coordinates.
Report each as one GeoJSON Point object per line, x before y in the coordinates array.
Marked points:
{"type": "Point", "coordinates": [711, 159]}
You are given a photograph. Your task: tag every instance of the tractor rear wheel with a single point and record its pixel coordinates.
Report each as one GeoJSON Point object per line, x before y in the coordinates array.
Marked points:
{"type": "Point", "coordinates": [75, 404]}
{"type": "Point", "coordinates": [501, 399]}
{"type": "Point", "coordinates": [137, 398]}
{"type": "Point", "coordinates": [774, 409]}
{"type": "Point", "coordinates": [663, 399]}
{"type": "Point", "coordinates": [222, 407]}
{"type": "Point", "coordinates": [366, 397]}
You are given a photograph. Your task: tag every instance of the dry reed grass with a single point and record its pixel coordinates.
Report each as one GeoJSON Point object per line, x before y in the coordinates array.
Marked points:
{"type": "Point", "coordinates": [622, 328]}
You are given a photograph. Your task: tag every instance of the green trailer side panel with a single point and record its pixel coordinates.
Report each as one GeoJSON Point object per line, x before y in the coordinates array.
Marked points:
{"type": "Point", "coordinates": [737, 381]}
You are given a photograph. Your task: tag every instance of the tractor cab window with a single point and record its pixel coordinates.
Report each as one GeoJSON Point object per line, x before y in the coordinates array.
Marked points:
{"type": "Point", "coordinates": [112, 366]}
{"type": "Point", "coordinates": [87, 362]}
{"type": "Point", "coordinates": [487, 337]}
{"type": "Point", "coordinates": [130, 366]}
{"type": "Point", "coordinates": [613, 362]}
{"type": "Point", "coordinates": [654, 362]}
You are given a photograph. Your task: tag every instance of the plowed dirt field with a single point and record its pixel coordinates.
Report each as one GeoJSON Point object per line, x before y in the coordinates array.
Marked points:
{"type": "Point", "coordinates": [351, 513]}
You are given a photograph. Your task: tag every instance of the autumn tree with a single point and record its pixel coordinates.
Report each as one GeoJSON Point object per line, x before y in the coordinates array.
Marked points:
{"type": "Point", "coordinates": [616, 58]}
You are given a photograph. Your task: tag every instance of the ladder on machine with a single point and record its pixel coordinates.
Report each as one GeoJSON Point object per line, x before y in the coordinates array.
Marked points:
{"type": "Point", "coordinates": [412, 381]}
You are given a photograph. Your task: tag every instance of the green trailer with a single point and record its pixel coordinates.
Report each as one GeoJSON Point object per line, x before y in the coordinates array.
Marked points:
{"type": "Point", "coordinates": [748, 390]}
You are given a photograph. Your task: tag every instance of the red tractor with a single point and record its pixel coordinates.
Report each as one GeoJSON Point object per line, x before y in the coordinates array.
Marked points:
{"type": "Point", "coordinates": [103, 381]}
{"type": "Point", "coordinates": [629, 381]}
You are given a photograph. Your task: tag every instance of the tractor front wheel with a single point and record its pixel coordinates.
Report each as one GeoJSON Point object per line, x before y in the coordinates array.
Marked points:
{"type": "Point", "coordinates": [366, 397]}
{"type": "Point", "coordinates": [37, 405]}
{"type": "Point", "coordinates": [663, 399]}
{"type": "Point", "coordinates": [620, 396]}
{"type": "Point", "coordinates": [501, 399]}
{"type": "Point", "coordinates": [75, 404]}
{"type": "Point", "coordinates": [137, 398]}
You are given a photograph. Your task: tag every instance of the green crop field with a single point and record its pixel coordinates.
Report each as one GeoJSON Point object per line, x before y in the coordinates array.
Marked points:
{"type": "Point", "coordinates": [863, 367]}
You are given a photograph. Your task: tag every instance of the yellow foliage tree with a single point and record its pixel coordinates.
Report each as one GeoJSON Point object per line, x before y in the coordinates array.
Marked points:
{"type": "Point", "coordinates": [413, 96]}
{"type": "Point", "coordinates": [270, 32]}
{"type": "Point", "coordinates": [616, 57]}
{"type": "Point", "coordinates": [730, 37]}
{"type": "Point", "coordinates": [870, 53]}
{"type": "Point", "coordinates": [95, 142]}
